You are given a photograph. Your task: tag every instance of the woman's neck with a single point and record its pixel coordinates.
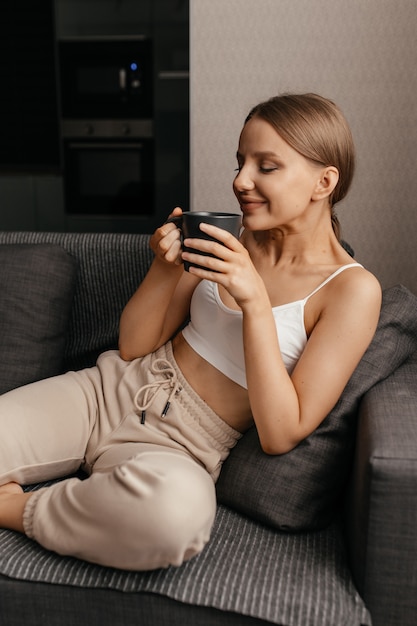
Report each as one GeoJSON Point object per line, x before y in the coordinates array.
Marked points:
{"type": "Point", "coordinates": [277, 246]}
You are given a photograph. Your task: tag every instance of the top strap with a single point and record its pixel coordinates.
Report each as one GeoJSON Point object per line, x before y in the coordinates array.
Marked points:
{"type": "Point", "coordinates": [329, 278]}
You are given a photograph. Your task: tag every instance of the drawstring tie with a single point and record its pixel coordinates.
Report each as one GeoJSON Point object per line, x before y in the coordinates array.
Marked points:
{"type": "Point", "coordinates": [145, 396]}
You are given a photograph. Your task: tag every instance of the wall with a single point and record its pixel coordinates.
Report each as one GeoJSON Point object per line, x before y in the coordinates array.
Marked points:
{"type": "Point", "coordinates": [360, 53]}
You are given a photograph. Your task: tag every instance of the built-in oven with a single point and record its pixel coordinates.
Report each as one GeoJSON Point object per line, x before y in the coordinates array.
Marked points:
{"type": "Point", "coordinates": [107, 131]}
{"type": "Point", "coordinates": [109, 168]}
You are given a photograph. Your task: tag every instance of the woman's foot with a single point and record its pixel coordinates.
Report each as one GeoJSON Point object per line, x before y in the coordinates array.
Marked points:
{"type": "Point", "coordinates": [12, 504]}
{"type": "Point", "coordinates": [10, 488]}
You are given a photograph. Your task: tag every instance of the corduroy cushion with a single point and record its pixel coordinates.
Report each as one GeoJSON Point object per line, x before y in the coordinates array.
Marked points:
{"type": "Point", "coordinates": [246, 569]}
{"type": "Point", "coordinates": [300, 490]}
{"type": "Point", "coordinates": [36, 286]}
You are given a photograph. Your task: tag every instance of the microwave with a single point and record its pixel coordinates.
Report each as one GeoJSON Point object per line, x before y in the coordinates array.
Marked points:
{"type": "Point", "coordinates": [106, 77]}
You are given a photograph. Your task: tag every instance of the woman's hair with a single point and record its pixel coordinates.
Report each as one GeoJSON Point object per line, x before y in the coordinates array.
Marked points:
{"type": "Point", "coordinates": [317, 129]}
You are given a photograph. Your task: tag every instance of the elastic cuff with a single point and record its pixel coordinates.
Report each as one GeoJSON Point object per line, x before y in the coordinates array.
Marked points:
{"type": "Point", "coordinates": [28, 512]}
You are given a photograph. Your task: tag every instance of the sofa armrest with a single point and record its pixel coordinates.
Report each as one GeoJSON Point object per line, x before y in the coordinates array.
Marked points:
{"type": "Point", "coordinates": [382, 501]}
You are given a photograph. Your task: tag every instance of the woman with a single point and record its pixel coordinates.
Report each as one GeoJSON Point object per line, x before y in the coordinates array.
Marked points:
{"type": "Point", "coordinates": [278, 322]}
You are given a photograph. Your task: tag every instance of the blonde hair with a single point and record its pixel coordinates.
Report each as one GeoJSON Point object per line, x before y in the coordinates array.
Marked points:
{"type": "Point", "coordinates": [318, 130]}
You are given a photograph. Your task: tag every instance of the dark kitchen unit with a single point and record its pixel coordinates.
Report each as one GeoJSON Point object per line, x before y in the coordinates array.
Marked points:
{"type": "Point", "coordinates": [107, 130]}
{"type": "Point", "coordinates": [118, 86]}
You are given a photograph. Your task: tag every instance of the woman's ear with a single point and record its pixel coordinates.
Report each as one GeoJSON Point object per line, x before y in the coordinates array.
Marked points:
{"type": "Point", "coordinates": [326, 183]}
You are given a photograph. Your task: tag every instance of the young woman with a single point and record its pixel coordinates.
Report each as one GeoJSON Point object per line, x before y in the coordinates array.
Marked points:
{"type": "Point", "coordinates": [279, 319]}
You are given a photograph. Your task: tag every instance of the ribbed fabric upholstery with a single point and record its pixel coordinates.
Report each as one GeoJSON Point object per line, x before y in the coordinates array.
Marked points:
{"type": "Point", "coordinates": [286, 579]}
{"type": "Point", "coordinates": [100, 293]}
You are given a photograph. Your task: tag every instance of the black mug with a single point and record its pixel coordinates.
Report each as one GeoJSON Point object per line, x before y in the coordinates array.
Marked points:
{"type": "Point", "coordinates": [189, 224]}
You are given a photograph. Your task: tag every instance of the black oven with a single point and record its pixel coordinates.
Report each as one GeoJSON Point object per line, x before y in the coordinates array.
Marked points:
{"type": "Point", "coordinates": [107, 172]}
{"type": "Point", "coordinates": [107, 129]}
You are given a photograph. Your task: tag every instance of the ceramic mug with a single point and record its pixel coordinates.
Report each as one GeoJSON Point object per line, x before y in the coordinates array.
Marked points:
{"type": "Point", "coordinates": [189, 224]}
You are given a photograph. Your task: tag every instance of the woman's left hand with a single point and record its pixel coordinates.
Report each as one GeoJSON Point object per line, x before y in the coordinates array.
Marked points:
{"type": "Point", "coordinates": [230, 265]}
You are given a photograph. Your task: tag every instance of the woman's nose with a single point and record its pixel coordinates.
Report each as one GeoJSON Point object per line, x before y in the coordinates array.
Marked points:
{"type": "Point", "coordinates": [243, 180]}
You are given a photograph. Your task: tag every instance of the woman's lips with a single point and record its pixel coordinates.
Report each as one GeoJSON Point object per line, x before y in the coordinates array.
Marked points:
{"type": "Point", "coordinates": [250, 205]}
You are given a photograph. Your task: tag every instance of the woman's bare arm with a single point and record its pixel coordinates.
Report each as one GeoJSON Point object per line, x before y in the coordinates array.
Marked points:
{"type": "Point", "coordinates": [287, 409]}
{"type": "Point", "coordinates": [161, 303]}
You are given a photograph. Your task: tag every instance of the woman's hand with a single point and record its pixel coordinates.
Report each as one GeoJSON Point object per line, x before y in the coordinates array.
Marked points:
{"type": "Point", "coordinates": [231, 265]}
{"type": "Point", "coordinates": [166, 241]}
{"type": "Point", "coordinates": [161, 302]}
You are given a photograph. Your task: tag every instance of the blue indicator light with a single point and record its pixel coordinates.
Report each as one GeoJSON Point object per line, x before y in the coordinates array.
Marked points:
{"type": "Point", "coordinates": [133, 67]}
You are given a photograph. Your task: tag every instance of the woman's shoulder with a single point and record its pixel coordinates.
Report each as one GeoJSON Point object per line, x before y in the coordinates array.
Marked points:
{"type": "Point", "coordinates": [357, 289]}
{"type": "Point", "coordinates": [352, 296]}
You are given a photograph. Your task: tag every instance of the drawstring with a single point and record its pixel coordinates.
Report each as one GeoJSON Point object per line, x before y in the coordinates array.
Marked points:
{"type": "Point", "coordinates": [145, 396]}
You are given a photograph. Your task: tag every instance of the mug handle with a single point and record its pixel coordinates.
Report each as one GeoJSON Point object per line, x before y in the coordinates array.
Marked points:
{"type": "Point", "coordinates": [176, 219]}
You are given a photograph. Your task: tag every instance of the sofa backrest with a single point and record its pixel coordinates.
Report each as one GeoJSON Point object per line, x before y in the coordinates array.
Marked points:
{"type": "Point", "coordinates": [110, 267]}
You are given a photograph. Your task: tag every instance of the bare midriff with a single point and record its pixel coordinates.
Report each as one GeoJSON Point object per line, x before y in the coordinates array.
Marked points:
{"type": "Point", "coordinates": [228, 399]}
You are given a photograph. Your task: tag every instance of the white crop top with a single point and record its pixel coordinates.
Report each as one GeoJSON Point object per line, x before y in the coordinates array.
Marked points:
{"type": "Point", "coordinates": [215, 330]}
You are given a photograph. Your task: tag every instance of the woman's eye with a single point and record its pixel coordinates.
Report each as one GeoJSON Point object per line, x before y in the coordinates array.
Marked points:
{"type": "Point", "coordinates": [267, 169]}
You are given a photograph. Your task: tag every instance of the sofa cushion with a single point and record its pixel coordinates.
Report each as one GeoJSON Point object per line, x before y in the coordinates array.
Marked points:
{"type": "Point", "coordinates": [300, 490]}
{"type": "Point", "coordinates": [245, 569]}
{"type": "Point", "coordinates": [36, 285]}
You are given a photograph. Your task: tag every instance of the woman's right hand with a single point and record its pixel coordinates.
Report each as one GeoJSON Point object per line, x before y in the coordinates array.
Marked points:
{"type": "Point", "coordinates": [161, 303]}
{"type": "Point", "coordinates": [166, 241]}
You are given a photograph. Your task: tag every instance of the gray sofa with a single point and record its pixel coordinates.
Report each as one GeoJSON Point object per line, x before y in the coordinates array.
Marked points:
{"type": "Point", "coordinates": [325, 535]}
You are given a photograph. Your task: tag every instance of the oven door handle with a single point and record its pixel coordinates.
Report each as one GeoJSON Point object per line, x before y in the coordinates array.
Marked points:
{"type": "Point", "coordinates": [106, 146]}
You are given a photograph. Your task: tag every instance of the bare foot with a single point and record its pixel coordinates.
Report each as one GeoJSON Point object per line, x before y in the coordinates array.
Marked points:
{"type": "Point", "coordinates": [12, 504]}
{"type": "Point", "coordinates": [10, 488]}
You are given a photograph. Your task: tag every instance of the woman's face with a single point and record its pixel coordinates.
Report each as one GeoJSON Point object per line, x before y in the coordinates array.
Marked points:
{"type": "Point", "coordinates": [275, 184]}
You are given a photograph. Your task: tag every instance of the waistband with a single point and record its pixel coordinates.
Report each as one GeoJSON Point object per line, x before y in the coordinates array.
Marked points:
{"type": "Point", "coordinates": [172, 380]}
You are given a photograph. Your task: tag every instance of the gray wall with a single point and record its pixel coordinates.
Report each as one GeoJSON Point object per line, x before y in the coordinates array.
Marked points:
{"type": "Point", "coordinates": [363, 55]}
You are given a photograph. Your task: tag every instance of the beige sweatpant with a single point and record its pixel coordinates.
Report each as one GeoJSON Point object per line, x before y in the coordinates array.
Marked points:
{"type": "Point", "coordinates": [151, 446]}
